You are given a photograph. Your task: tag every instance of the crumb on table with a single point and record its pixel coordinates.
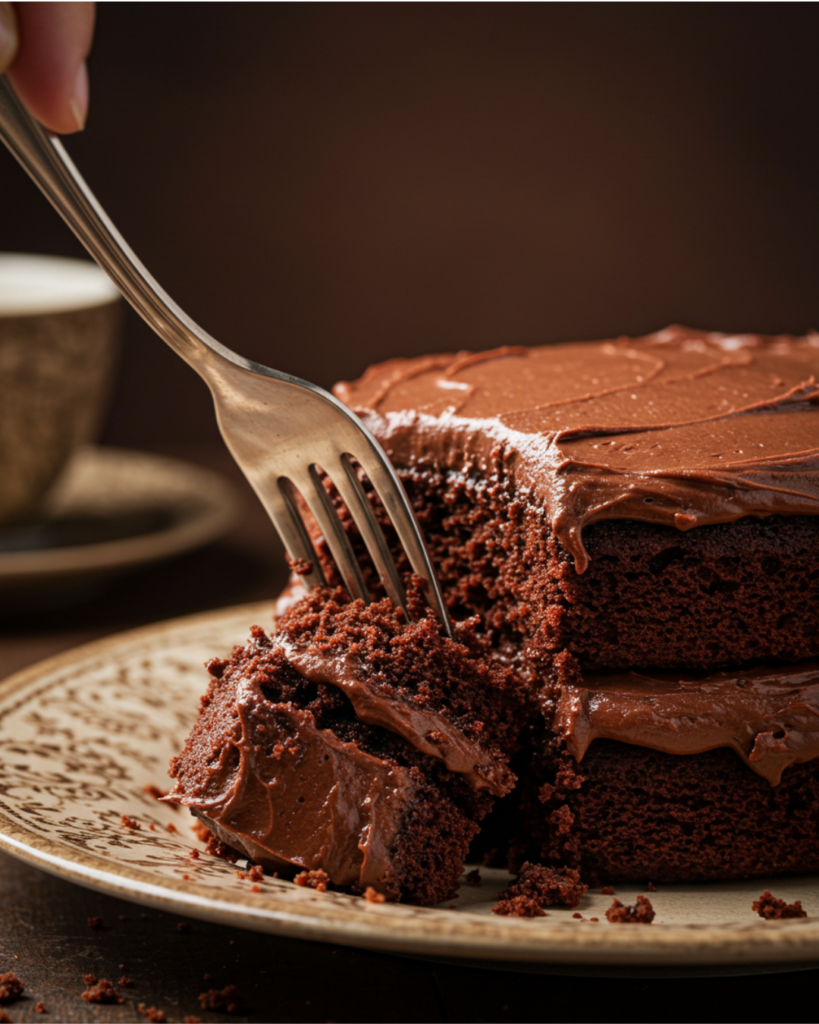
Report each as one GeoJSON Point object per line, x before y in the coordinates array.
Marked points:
{"type": "Point", "coordinates": [101, 992]}
{"type": "Point", "coordinates": [154, 1016]}
{"type": "Point", "coordinates": [228, 999]}
{"type": "Point", "coordinates": [11, 987]}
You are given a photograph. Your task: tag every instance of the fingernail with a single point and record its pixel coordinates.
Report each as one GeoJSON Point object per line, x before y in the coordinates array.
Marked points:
{"type": "Point", "coordinates": [79, 101]}
{"type": "Point", "coordinates": [8, 36]}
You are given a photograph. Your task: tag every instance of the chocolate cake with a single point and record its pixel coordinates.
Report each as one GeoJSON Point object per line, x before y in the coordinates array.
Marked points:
{"type": "Point", "coordinates": [353, 743]}
{"type": "Point", "coordinates": [632, 528]}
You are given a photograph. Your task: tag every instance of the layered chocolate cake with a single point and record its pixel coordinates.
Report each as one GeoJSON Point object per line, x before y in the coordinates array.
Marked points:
{"type": "Point", "coordinates": [355, 743]}
{"type": "Point", "coordinates": [632, 528]}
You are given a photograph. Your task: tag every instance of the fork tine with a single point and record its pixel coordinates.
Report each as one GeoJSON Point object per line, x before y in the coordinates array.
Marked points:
{"type": "Point", "coordinates": [325, 515]}
{"type": "Point", "coordinates": [282, 510]}
{"type": "Point", "coordinates": [352, 493]}
{"type": "Point", "coordinates": [391, 491]}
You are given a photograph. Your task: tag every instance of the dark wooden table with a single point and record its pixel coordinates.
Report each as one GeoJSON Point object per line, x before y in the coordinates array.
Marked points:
{"type": "Point", "coordinates": [46, 940]}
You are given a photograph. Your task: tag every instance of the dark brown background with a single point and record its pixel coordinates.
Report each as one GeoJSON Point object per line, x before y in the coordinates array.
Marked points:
{"type": "Point", "coordinates": [321, 186]}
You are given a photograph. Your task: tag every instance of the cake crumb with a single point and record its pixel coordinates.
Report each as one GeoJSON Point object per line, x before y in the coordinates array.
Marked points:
{"type": "Point", "coordinates": [89, 979]}
{"type": "Point", "coordinates": [255, 887]}
{"type": "Point", "coordinates": [595, 919]}
{"type": "Point", "coordinates": [772, 909]}
{"type": "Point", "coordinates": [193, 854]}
{"type": "Point", "coordinates": [95, 923]}
{"type": "Point", "coordinates": [641, 913]}
{"type": "Point", "coordinates": [578, 916]}
{"type": "Point", "coordinates": [40, 1007]}
{"type": "Point", "coordinates": [216, 848]}
{"type": "Point", "coordinates": [373, 896]}
{"type": "Point", "coordinates": [154, 1016]}
{"type": "Point", "coordinates": [542, 885]}
{"type": "Point", "coordinates": [130, 823]}
{"type": "Point", "coordinates": [607, 890]}
{"type": "Point", "coordinates": [4, 1017]}
{"type": "Point", "coordinates": [125, 982]}
{"type": "Point", "coordinates": [651, 887]}
{"type": "Point", "coordinates": [102, 992]}
{"type": "Point", "coordinates": [190, 1019]}
{"type": "Point", "coordinates": [256, 873]}
{"type": "Point", "coordinates": [317, 879]}
{"type": "Point", "coordinates": [171, 827]}
{"type": "Point", "coordinates": [228, 999]}
{"type": "Point", "coordinates": [473, 878]}
{"type": "Point", "coordinates": [300, 566]}
{"type": "Point", "coordinates": [11, 987]}
{"type": "Point", "coordinates": [519, 906]}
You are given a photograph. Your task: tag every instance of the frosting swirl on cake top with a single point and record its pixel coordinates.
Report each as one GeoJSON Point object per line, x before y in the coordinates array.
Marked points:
{"type": "Point", "coordinates": [681, 427]}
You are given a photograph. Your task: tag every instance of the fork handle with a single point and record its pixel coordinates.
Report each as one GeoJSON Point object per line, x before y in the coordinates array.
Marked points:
{"type": "Point", "coordinates": [53, 171]}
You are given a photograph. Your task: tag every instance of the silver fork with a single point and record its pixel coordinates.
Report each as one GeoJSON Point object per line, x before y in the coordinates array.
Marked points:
{"type": "Point", "coordinates": [281, 430]}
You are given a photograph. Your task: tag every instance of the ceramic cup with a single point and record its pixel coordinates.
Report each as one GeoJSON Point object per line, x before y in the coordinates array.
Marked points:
{"type": "Point", "coordinates": [59, 330]}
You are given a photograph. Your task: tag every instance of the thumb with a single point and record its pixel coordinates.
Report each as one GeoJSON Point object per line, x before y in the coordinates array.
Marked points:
{"type": "Point", "coordinates": [8, 37]}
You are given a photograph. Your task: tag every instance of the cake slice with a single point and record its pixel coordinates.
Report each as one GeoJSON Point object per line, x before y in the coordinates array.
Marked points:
{"type": "Point", "coordinates": [356, 743]}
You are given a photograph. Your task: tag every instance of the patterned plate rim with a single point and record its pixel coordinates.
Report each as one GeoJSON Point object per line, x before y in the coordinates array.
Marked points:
{"type": "Point", "coordinates": [347, 920]}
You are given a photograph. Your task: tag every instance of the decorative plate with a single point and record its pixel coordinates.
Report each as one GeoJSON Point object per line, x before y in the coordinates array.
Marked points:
{"type": "Point", "coordinates": [83, 734]}
{"type": "Point", "coordinates": [112, 510]}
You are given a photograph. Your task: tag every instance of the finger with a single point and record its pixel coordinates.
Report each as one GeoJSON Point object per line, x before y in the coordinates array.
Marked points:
{"type": "Point", "coordinates": [49, 72]}
{"type": "Point", "coordinates": [8, 36]}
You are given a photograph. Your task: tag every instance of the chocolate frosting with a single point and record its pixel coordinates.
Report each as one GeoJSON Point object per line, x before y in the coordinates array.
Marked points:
{"type": "Point", "coordinates": [681, 427]}
{"type": "Point", "coordinates": [770, 717]}
{"type": "Point", "coordinates": [249, 803]}
{"type": "Point", "coordinates": [429, 731]}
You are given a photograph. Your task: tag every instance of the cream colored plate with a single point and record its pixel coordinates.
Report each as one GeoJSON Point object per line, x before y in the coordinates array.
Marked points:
{"type": "Point", "coordinates": [83, 733]}
{"type": "Point", "coordinates": [148, 506]}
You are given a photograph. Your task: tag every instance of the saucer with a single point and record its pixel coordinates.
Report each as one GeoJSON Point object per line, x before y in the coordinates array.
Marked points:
{"type": "Point", "coordinates": [113, 510]}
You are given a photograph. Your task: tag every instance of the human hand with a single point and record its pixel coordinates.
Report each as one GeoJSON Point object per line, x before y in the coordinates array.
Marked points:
{"type": "Point", "coordinates": [43, 47]}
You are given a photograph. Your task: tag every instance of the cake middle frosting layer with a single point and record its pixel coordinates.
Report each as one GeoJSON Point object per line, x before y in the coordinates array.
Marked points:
{"type": "Point", "coordinates": [681, 427]}
{"type": "Point", "coordinates": [770, 717]}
